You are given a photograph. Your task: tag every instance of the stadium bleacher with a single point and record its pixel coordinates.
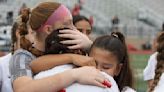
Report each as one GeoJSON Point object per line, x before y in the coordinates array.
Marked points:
{"type": "Point", "coordinates": [135, 15]}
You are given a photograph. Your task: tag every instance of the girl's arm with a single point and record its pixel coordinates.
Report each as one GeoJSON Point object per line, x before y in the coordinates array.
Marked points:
{"type": "Point", "coordinates": [59, 81]}
{"type": "Point", "coordinates": [49, 61]}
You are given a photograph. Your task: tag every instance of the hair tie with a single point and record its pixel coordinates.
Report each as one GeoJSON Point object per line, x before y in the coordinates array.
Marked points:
{"type": "Point", "coordinates": [115, 35]}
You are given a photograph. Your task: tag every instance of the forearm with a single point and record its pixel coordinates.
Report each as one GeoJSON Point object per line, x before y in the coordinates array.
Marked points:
{"type": "Point", "coordinates": [49, 61]}
{"type": "Point", "coordinates": [49, 84]}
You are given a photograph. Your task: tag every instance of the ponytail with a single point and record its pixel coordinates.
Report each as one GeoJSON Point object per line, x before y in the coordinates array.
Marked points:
{"type": "Point", "coordinates": [13, 36]}
{"type": "Point", "coordinates": [125, 78]}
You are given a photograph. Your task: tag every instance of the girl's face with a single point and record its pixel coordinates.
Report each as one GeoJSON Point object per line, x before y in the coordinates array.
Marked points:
{"type": "Point", "coordinates": [84, 27]}
{"type": "Point", "coordinates": [106, 61]}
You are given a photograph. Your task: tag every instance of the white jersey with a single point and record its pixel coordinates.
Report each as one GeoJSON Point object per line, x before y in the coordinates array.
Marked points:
{"type": "Point", "coordinates": [5, 81]}
{"type": "Point", "coordinates": [76, 87]}
{"type": "Point", "coordinates": [149, 71]}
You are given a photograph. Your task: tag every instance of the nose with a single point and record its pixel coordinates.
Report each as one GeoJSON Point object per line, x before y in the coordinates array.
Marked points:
{"type": "Point", "coordinates": [85, 31]}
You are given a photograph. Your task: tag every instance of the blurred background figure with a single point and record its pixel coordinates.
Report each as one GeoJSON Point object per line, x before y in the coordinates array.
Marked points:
{"type": "Point", "coordinates": [115, 23]}
{"type": "Point", "coordinates": [82, 24]}
{"type": "Point", "coordinates": [9, 17]}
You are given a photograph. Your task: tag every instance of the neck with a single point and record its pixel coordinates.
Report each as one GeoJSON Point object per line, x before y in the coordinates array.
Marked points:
{"type": "Point", "coordinates": [39, 45]}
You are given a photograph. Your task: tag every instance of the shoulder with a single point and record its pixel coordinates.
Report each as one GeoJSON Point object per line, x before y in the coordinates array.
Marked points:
{"type": "Point", "coordinates": [22, 52]}
{"type": "Point", "coordinates": [152, 60]}
{"type": "Point", "coordinates": [149, 70]}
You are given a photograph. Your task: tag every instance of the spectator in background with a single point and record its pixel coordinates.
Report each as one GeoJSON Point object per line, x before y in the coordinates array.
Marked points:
{"type": "Point", "coordinates": [82, 24]}
{"type": "Point", "coordinates": [146, 46]}
{"type": "Point", "coordinates": [76, 10]}
{"type": "Point", "coordinates": [9, 17]}
{"type": "Point", "coordinates": [81, 2]}
{"type": "Point", "coordinates": [115, 23]}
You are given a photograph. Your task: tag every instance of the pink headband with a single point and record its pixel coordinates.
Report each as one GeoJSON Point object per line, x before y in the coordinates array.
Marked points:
{"type": "Point", "coordinates": [57, 15]}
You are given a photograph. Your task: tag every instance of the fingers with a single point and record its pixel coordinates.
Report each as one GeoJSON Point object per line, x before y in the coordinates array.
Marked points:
{"type": "Point", "coordinates": [68, 31]}
{"type": "Point", "coordinates": [96, 83]}
{"type": "Point", "coordinates": [103, 82]}
{"type": "Point", "coordinates": [100, 79]}
{"type": "Point", "coordinates": [71, 36]}
{"type": "Point", "coordinates": [78, 46]}
{"type": "Point", "coordinates": [106, 83]}
{"type": "Point", "coordinates": [70, 42]}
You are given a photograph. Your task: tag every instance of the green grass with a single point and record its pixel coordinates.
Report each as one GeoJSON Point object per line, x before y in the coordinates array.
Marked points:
{"type": "Point", "coordinates": [139, 62]}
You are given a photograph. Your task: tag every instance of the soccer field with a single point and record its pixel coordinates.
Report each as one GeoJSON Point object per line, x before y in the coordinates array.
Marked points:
{"type": "Point", "coordinates": [139, 62]}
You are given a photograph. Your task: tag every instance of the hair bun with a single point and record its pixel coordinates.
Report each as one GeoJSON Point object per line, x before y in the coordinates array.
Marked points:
{"type": "Point", "coordinates": [25, 14]}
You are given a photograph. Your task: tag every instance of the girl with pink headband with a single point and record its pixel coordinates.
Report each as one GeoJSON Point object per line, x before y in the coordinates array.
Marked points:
{"type": "Point", "coordinates": [43, 19]}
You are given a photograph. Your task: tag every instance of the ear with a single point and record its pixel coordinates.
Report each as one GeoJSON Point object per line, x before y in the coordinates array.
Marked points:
{"type": "Point", "coordinates": [119, 67]}
{"type": "Point", "coordinates": [48, 29]}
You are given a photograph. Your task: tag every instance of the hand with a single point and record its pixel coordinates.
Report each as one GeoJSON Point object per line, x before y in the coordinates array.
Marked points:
{"type": "Point", "coordinates": [80, 40]}
{"type": "Point", "coordinates": [81, 60]}
{"type": "Point", "coordinates": [89, 76]}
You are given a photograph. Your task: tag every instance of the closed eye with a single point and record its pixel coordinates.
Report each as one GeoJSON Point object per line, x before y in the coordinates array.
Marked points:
{"type": "Point", "coordinates": [107, 66]}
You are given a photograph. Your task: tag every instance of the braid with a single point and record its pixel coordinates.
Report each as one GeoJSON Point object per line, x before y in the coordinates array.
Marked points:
{"type": "Point", "coordinates": [24, 43]}
{"type": "Point", "coordinates": [12, 48]}
{"type": "Point", "coordinates": [158, 72]}
{"type": "Point", "coordinates": [13, 35]}
{"type": "Point", "coordinates": [160, 62]}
